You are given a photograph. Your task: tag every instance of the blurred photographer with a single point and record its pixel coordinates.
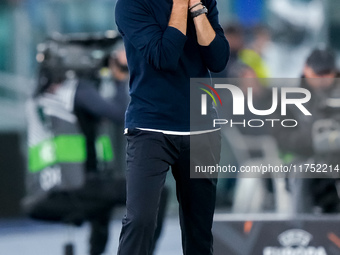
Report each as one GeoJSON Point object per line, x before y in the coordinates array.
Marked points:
{"type": "Point", "coordinates": [73, 102]}
{"type": "Point", "coordinates": [298, 143]}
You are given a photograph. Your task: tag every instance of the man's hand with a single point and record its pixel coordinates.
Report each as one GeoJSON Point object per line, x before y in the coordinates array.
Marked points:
{"type": "Point", "coordinates": [179, 15]}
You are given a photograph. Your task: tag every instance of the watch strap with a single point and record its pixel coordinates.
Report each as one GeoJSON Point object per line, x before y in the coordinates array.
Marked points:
{"type": "Point", "coordinates": [204, 10]}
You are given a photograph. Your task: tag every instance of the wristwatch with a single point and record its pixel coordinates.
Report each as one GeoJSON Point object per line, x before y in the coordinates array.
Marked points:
{"type": "Point", "coordinates": [199, 12]}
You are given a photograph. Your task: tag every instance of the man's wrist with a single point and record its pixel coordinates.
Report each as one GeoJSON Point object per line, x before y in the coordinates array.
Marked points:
{"type": "Point", "coordinates": [196, 8]}
{"type": "Point", "coordinates": [199, 12]}
{"type": "Point", "coordinates": [192, 6]}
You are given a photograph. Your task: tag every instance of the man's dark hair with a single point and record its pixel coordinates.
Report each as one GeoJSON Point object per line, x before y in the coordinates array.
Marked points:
{"type": "Point", "coordinates": [322, 61]}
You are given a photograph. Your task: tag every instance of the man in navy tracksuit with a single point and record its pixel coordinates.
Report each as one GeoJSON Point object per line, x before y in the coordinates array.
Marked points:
{"type": "Point", "coordinates": [168, 42]}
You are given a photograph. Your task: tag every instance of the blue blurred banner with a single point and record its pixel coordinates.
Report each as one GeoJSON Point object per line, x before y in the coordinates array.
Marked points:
{"type": "Point", "coordinates": [249, 12]}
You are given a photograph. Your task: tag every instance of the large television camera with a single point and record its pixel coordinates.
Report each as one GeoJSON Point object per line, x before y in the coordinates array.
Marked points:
{"type": "Point", "coordinates": [80, 55]}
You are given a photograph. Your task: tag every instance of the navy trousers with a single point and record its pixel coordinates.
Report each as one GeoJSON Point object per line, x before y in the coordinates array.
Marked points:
{"type": "Point", "coordinates": [149, 156]}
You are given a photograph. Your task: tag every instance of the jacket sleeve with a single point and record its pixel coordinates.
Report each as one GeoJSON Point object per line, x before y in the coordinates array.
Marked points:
{"type": "Point", "coordinates": [160, 48]}
{"type": "Point", "coordinates": [215, 55]}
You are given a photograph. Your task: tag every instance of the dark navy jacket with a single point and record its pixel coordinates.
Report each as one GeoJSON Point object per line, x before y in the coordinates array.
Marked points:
{"type": "Point", "coordinates": [162, 60]}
